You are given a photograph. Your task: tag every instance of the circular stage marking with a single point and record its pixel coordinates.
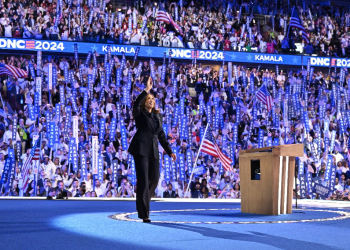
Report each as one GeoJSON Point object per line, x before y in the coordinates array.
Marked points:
{"type": "Point", "coordinates": [126, 217]}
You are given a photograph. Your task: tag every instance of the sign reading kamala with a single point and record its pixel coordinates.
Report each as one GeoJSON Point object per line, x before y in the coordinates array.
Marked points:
{"type": "Point", "coordinates": [180, 53]}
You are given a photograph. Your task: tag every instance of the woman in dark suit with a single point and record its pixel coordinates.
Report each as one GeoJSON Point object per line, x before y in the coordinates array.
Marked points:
{"type": "Point", "coordinates": [144, 148]}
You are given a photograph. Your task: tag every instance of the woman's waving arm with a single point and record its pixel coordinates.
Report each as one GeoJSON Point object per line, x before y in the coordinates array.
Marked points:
{"type": "Point", "coordinates": [136, 108]}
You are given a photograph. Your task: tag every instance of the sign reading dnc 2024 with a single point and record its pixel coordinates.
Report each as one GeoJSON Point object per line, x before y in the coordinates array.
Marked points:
{"type": "Point", "coordinates": [158, 52]}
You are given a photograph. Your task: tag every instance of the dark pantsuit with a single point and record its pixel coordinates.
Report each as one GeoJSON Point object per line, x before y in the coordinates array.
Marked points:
{"type": "Point", "coordinates": [147, 173]}
{"type": "Point", "coordinates": [144, 148]}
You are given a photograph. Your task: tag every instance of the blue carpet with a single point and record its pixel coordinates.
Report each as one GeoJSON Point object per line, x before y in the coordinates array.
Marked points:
{"type": "Point", "coordinates": [67, 225]}
{"type": "Point", "coordinates": [235, 216]}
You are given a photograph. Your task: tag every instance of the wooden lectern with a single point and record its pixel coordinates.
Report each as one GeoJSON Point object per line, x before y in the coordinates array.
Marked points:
{"type": "Point", "coordinates": [266, 176]}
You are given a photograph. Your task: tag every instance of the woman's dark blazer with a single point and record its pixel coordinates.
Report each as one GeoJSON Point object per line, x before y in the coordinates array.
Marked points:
{"type": "Point", "coordinates": [146, 136]}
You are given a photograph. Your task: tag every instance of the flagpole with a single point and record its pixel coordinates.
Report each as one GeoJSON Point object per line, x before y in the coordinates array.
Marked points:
{"type": "Point", "coordinates": [200, 147]}
{"type": "Point", "coordinates": [251, 100]}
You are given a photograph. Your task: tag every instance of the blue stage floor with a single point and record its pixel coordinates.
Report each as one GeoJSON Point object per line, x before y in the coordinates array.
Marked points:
{"type": "Point", "coordinates": [65, 225]}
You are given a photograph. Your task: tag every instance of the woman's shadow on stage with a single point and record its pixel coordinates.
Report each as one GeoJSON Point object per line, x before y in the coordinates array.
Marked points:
{"type": "Point", "coordinates": [267, 239]}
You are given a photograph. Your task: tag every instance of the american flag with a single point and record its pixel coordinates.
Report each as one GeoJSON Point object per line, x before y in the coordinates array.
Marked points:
{"type": "Point", "coordinates": [164, 16]}
{"type": "Point", "coordinates": [211, 148]}
{"type": "Point", "coordinates": [296, 22]}
{"type": "Point", "coordinates": [34, 155]}
{"type": "Point", "coordinates": [12, 71]}
{"type": "Point", "coordinates": [264, 96]}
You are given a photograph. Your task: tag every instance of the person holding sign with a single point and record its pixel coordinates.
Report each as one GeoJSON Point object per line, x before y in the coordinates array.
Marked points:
{"type": "Point", "coordinates": [144, 148]}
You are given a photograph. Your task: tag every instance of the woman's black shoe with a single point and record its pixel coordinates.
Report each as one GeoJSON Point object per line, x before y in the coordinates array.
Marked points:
{"type": "Point", "coordinates": [146, 220]}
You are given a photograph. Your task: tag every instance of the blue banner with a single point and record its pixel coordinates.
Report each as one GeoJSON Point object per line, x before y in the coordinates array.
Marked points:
{"type": "Point", "coordinates": [115, 172]}
{"type": "Point", "coordinates": [76, 53]}
{"type": "Point", "coordinates": [86, 100]}
{"type": "Point", "coordinates": [136, 53]}
{"type": "Point", "coordinates": [269, 141]}
{"type": "Point", "coordinates": [208, 113]}
{"type": "Point", "coordinates": [54, 76]}
{"type": "Point", "coordinates": [85, 122]}
{"type": "Point", "coordinates": [70, 149]}
{"type": "Point", "coordinates": [74, 104]}
{"type": "Point", "coordinates": [14, 128]}
{"type": "Point", "coordinates": [124, 138]}
{"type": "Point", "coordinates": [238, 113]}
{"type": "Point", "coordinates": [313, 152]}
{"type": "Point", "coordinates": [83, 165]}
{"type": "Point", "coordinates": [112, 130]}
{"type": "Point", "coordinates": [75, 157]}
{"type": "Point", "coordinates": [100, 168]}
{"type": "Point", "coordinates": [189, 159]}
{"type": "Point", "coordinates": [62, 95]}
{"type": "Point", "coordinates": [217, 119]}
{"type": "Point", "coordinates": [323, 191]}
{"type": "Point", "coordinates": [221, 75]}
{"type": "Point", "coordinates": [261, 138]}
{"type": "Point", "coordinates": [31, 69]}
{"type": "Point", "coordinates": [198, 170]}
{"type": "Point", "coordinates": [235, 133]}
{"type": "Point", "coordinates": [144, 25]}
{"type": "Point", "coordinates": [133, 171]}
{"type": "Point", "coordinates": [6, 170]}
{"type": "Point", "coordinates": [118, 77]}
{"type": "Point", "coordinates": [102, 131]}
{"type": "Point", "coordinates": [309, 183]}
{"type": "Point", "coordinates": [306, 121]}
{"type": "Point", "coordinates": [11, 172]}
{"type": "Point", "coordinates": [31, 112]}
{"type": "Point", "coordinates": [51, 135]}
{"type": "Point", "coordinates": [182, 167]}
{"type": "Point", "coordinates": [332, 179]}
{"type": "Point", "coordinates": [167, 168]}
{"type": "Point", "coordinates": [173, 171]}
{"type": "Point", "coordinates": [327, 174]}
{"type": "Point", "coordinates": [158, 52]}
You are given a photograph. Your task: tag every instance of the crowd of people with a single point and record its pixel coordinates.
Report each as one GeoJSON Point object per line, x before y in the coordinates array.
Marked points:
{"type": "Point", "coordinates": [209, 24]}
{"type": "Point", "coordinates": [317, 116]}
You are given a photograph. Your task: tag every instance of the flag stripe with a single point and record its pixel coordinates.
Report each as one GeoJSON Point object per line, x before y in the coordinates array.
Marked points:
{"type": "Point", "coordinates": [12, 71]}
{"type": "Point", "coordinates": [264, 96]}
{"type": "Point", "coordinates": [164, 16]}
{"type": "Point", "coordinates": [33, 155]}
{"type": "Point", "coordinates": [296, 22]}
{"type": "Point", "coordinates": [211, 148]}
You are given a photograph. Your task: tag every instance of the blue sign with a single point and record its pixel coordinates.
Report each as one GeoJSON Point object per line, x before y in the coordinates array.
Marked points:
{"type": "Point", "coordinates": [158, 52]}
{"type": "Point", "coordinates": [167, 168]}
{"type": "Point", "coordinates": [83, 165]}
{"type": "Point", "coordinates": [102, 131]}
{"type": "Point", "coordinates": [100, 168]}
{"type": "Point", "coordinates": [182, 167]}
{"type": "Point", "coordinates": [199, 170]}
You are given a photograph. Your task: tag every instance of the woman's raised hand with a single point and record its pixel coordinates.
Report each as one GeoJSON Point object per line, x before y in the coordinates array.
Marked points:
{"type": "Point", "coordinates": [149, 84]}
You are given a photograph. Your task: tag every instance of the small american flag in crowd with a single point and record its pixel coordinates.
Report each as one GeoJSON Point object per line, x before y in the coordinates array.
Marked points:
{"type": "Point", "coordinates": [210, 147]}
{"type": "Point", "coordinates": [296, 22]}
{"type": "Point", "coordinates": [264, 96]}
{"type": "Point", "coordinates": [162, 15]}
{"type": "Point", "coordinates": [12, 71]}
{"type": "Point", "coordinates": [34, 155]}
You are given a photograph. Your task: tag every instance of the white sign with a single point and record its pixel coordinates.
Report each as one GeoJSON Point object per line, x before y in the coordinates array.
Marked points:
{"type": "Point", "coordinates": [38, 88]}
{"type": "Point", "coordinates": [76, 129]}
{"type": "Point", "coordinates": [94, 154]}
{"type": "Point", "coordinates": [50, 75]}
